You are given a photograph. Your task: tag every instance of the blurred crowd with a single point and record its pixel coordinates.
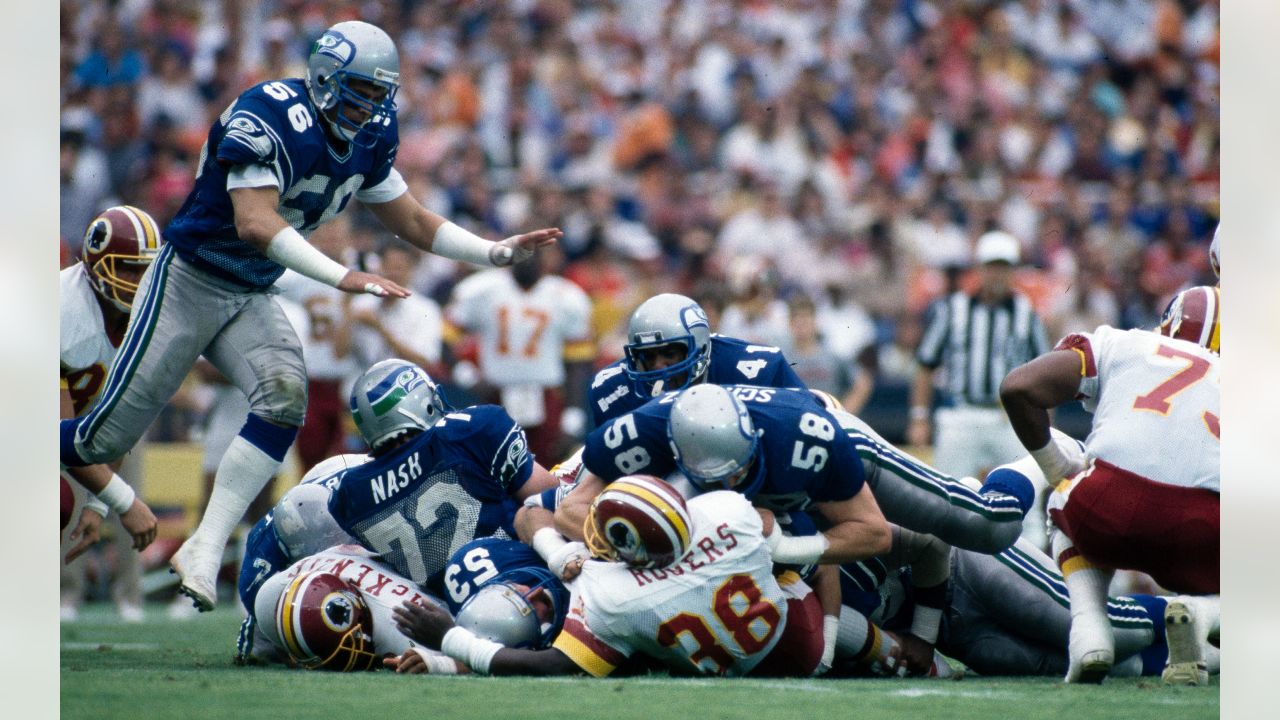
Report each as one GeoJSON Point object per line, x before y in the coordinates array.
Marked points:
{"type": "Point", "coordinates": [814, 172]}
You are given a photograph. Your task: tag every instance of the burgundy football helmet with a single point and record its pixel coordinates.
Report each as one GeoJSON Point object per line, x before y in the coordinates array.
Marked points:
{"type": "Point", "coordinates": [639, 520]}
{"type": "Point", "coordinates": [121, 239]}
{"type": "Point", "coordinates": [1194, 315]}
{"type": "Point", "coordinates": [324, 623]}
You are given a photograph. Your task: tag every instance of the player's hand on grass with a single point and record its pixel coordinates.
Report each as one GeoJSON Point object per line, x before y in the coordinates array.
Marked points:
{"type": "Point", "coordinates": [425, 625]}
{"type": "Point", "coordinates": [141, 524]}
{"type": "Point", "coordinates": [362, 282]}
{"type": "Point", "coordinates": [87, 531]}
{"type": "Point", "coordinates": [410, 663]}
{"type": "Point", "coordinates": [914, 656]}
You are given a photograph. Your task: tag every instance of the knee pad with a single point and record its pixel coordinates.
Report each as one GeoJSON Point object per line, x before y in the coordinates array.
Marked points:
{"type": "Point", "coordinates": [281, 397]}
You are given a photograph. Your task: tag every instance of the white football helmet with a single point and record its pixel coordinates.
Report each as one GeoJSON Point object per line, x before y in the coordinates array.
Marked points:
{"type": "Point", "coordinates": [354, 50]}
{"type": "Point", "coordinates": [715, 441]}
{"type": "Point", "coordinates": [393, 397]}
{"type": "Point", "coordinates": [663, 320]}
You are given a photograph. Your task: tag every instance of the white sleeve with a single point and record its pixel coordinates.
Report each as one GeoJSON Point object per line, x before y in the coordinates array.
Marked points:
{"type": "Point", "coordinates": [252, 176]}
{"type": "Point", "coordinates": [389, 189]}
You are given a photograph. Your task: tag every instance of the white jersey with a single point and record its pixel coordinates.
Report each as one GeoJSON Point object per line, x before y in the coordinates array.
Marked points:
{"type": "Point", "coordinates": [415, 321]}
{"type": "Point", "coordinates": [323, 307]}
{"type": "Point", "coordinates": [718, 611]}
{"type": "Point", "coordinates": [522, 334]}
{"type": "Point", "coordinates": [84, 350]}
{"type": "Point", "coordinates": [383, 590]}
{"type": "Point", "coordinates": [1155, 404]}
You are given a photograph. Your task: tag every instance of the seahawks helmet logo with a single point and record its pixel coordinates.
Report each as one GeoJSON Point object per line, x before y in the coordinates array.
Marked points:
{"type": "Point", "coordinates": [694, 316]}
{"type": "Point", "coordinates": [386, 395]}
{"type": "Point", "coordinates": [336, 46]}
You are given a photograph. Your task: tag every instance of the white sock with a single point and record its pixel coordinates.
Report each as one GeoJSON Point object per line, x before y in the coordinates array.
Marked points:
{"type": "Point", "coordinates": [241, 475]}
{"type": "Point", "coordinates": [1087, 586]}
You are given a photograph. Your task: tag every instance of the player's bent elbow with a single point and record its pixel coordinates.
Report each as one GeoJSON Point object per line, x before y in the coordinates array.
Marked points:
{"type": "Point", "coordinates": [1017, 386]}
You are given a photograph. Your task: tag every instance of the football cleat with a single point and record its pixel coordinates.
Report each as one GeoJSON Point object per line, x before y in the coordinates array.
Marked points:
{"type": "Point", "coordinates": [1091, 648]}
{"type": "Point", "coordinates": [197, 564]}
{"type": "Point", "coordinates": [1186, 664]}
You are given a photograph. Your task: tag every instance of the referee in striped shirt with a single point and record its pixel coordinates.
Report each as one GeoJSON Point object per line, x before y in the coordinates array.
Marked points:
{"type": "Point", "coordinates": [975, 339]}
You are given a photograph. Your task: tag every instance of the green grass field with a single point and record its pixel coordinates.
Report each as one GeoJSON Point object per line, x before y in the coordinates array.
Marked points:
{"type": "Point", "coordinates": [183, 670]}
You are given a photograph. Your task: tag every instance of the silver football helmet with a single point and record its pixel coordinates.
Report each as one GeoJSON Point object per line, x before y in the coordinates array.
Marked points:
{"type": "Point", "coordinates": [715, 441]}
{"type": "Point", "coordinates": [304, 524]}
{"type": "Point", "coordinates": [503, 610]}
{"type": "Point", "coordinates": [662, 320]}
{"type": "Point", "coordinates": [392, 397]}
{"type": "Point", "coordinates": [354, 50]}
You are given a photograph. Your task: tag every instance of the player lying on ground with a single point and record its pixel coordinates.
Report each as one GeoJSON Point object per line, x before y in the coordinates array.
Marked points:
{"type": "Point", "coordinates": [785, 451]}
{"type": "Point", "coordinates": [688, 584]}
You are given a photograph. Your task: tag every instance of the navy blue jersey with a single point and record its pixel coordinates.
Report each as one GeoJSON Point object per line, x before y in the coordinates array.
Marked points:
{"type": "Point", "coordinates": [733, 362]}
{"type": "Point", "coordinates": [419, 503]}
{"type": "Point", "coordinates": [480, 561]}
{"type": "Point", "coordinates": [264, 554]}
{"type": "Point", "coordinates": [803, 453]}
{"type": "Point", "coordinates": [272, 125]}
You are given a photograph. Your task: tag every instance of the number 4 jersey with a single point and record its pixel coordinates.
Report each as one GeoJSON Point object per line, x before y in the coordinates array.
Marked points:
{"type": "Point", "coordinates": [418, 504]}
{"type": "Point", "coordinates": [272, 130]}
{"type": "Point", "coordinates": [718, 611]}
{"type": "Point", "coordinates": [1155, 404]}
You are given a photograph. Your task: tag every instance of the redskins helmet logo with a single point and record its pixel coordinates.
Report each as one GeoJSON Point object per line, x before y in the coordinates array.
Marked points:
{"type": "Point", "coordinates": [622, 535]}
{"type": "Point", "coordinates": [96, 237]}
{"type": "Point", "coordinates": [337, 611]}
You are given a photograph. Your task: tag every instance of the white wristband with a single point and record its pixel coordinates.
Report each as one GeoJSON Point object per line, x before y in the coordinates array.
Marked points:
{"type": "Point", "coordinates": [117, 495]}
{"type": "Point", "coordinates": [830, 633]}
{"type": "Point", "coordinates": [291, 250]}
{"type": "Point", "coordinates": [455, 243]}
{"type": "Point", "coordinates": [547, 542]}
{"type": "Point", "coordinates": [1053, 462]}
{"type": "Point", "coordinates": [437, 664]}
{"type": "Point", "coordinates": [464, 646]}
{"type": "Point", "coordinates": [93, 504]}
{"type": "Point", "coordinates": [801, 550]}
{"type": "Point", "coordinates": [925, 622]}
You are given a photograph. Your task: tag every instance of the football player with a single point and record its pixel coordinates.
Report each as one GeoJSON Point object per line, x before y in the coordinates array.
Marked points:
{"type": "Point", "coordinates": [332, 610]}
{"type": "Point", "coordinates": [95, 299]}
{"type": "Point", "coordinates": [786, 452]}
{"type": "Point", "coordinates": [688, 584]}
{"type": "Point", "coordinates": [534, 339]}
{"type": "Point", "coordinates": [437, 479]}
{"type": "Point", "coordinates": [1006, 614]}
{"type": "Point", "coordinates": [1144, 495]}
{"type": "Point", "coordinates": [281, 160]}
{"type": "Point", "coordinates": [670, 346]}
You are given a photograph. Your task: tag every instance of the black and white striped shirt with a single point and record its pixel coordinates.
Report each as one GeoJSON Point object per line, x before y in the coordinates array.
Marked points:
{"type": "Point", "coordinates": [980, 344]}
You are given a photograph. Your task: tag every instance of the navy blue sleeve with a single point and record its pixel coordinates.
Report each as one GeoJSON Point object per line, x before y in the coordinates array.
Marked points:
{"type": "Point", "coordinates": [262, 559]}
{"type": "Point", "coordinates": [608, 389]}
{"type": "Point", "coordinates": [495, 442]}
{"type": "Point", "coordinates": [843, 476]}
{"type": "Point", "coordinates": [634, 443]}
{"type": "Point", "coordinates": [253, 135]}
{"type": "Point", "coordinates": [784, 376]}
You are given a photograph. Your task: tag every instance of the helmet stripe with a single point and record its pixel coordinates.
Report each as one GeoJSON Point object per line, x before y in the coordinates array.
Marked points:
{"type": "Point", "coordinates": [1215, 341]}
{"type": "Point", "coordinates": [285, 616]}
{"type": "Point", "coordinates": [663, 506]}
{"type": "Point", "coordinates": [138, 225]}
{"type": "Point", "coordinates": [151, 235]}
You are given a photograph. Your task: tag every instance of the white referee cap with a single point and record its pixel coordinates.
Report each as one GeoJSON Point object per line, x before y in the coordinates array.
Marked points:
{"type": "Point", "coordinates": [997, 246]}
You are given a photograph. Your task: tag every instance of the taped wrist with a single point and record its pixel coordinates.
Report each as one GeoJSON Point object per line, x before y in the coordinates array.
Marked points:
{"type": "Point", "coordinates": [437, 663]}
{"type": "Point", "coordinates": [117, 495]}
{"type": "Point", "coordinates": [830, 631]}
{"type": "Point", "coordinates": [1053, 462]}
{"type": "Point", "coordinates": [93, 504]}
{"type": "Point", "coordinates": [547, 542]}
{"type": "Point", "coordinates": [798, 550]}
{"type": "Point", "coordinates": [455, 243]}
{"type": "Point", "coordinates": [925, 622]}
{"type": "Point", "coordinates": [464, 646]}
{"type": "Point", "coordinates": [291, 250]}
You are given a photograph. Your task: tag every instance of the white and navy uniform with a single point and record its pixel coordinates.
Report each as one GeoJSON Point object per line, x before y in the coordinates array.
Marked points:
{"type": "Point", "coordinates": [1148, 498]}
{"type": "Point", "coordinates": [733, 362]}
{"type": "Point", "coordinates": [421, 502]}
{"type": "Point", "coordinates": [382, 588]}
{"type": "Point", "coordinates": [717, 611]}
{"type": "Point", "coordinates": [806, 455]}
{"type": "Point", "coordinates": [208, 291]}
{"type": "Point", "coordinates": [977, 344]}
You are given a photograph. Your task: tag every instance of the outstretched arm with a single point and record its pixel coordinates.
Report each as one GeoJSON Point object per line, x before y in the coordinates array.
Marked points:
{"type": "Point", "coordinates": [430, 232]}
{"type": "Point", "coordinates": [433, 628]}
{"type": "Point", "coordinates": [1029, 391]}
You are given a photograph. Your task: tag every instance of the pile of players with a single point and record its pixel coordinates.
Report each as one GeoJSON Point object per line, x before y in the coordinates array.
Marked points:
{"type": "Point", "coordinates": [720, 518]}
{"type": "Point", "coordinates": [723, 520]}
